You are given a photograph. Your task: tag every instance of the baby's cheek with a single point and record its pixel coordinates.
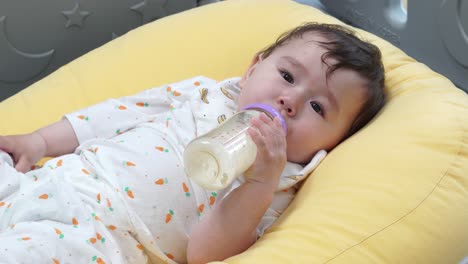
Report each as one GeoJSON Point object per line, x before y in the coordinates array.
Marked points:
{"type": "Point", "coordinates": [299, 151]}
{"type": "Point", "coordinates": [292, 153]}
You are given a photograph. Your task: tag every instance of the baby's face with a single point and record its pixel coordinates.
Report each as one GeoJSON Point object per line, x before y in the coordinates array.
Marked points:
{"type": "Point", "coordinates": [318, 112]}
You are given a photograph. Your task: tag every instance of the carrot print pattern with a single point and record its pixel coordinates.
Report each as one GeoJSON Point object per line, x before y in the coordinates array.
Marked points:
{"type": "Point", "coordinates": [109, 205]}
{"type": "Point", "coordinates": [35, 167]}
{"type": "Point", "coordinates": [200, 209]}
{"type": "Point", "coordinates": [128, 163]}
{"type": "Point", "coordinates": [140, 246]}
{"type": "Point", "coordinates": [161, 181]}
{"type": "Point", "coordinates": [58, 164]}
{"type": "Point", "coordinates": [167, 121]}
{"type": "Point", "coordinates": [75, 222]}
{"type": "Point", "coordinates": [98, 260]}
{"type": "Point", "coordinates": [174, 93]}
{"type": "Point", "coordinates": [98, 236]}
{"type": "Point", "coordinates": [59, 233]}
{"type": "Point", "coordinates": [122, 107]}
{"type": "Point", "coordinates": [95, 150]}
{"type": "Point", "coordinates": [83, 117]}
{"type": "Point", "coordinates": [162, 149]}
{"type": "Point", "coordinates": [112, 227]}
{"type": "Point", "coordinates": [98, 198]}
{"type": "Point", "coordinates": [169, 216]}
{"type": "Point", "coordinates": [96, 217]}
{"type": "Point", "coordinates": [169, 255]}
{"type": "Point", "coordinates": [129, 192]}
{"type": "Point", "coordinates": [44, 196]}
{"type": "Point", "coordinates": [56, 261]}
{"type": "Point", "coordinates": [142, 104]}
{"type": "Point", "coordinates": [85, 171]}
{"type": "Point", "coordinates": [213, 198]}
{"type": "Point", "coordinates": [186, 189]}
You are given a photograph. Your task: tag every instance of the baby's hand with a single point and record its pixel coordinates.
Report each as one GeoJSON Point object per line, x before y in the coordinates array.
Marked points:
{"type": "Point", "coordinates": [270, 139]}
{"type": "Point", "coordinates": [25, 149]}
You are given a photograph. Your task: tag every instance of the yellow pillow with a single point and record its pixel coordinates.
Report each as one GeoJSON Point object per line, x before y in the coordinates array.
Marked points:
{"type": "Point", "coordinates": [396, 192]}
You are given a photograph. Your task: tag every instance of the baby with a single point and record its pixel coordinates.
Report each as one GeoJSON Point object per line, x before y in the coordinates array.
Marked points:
{"type": "Point", "coordinates": [116, 191]}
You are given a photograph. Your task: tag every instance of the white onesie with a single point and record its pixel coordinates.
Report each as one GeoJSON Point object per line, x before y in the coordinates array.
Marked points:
{"type": "Point", "coordinates": [123, 196]}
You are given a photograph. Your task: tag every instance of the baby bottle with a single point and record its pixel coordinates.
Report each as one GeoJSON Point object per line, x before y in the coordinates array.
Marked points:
{"type": "Point", "coordinates": [216, 158]}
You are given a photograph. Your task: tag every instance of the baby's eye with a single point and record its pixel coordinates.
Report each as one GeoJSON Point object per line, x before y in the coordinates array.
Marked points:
{"type": "Point", "coordinates": [317, 108]}
{"type": "Point", "coordinates": [287, 76]}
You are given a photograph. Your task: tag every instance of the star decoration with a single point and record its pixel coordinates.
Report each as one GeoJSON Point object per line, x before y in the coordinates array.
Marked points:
{"type": "Point", "coordinates": [150, 9]}
{"type": "Point", "coordinates": [75, 16]}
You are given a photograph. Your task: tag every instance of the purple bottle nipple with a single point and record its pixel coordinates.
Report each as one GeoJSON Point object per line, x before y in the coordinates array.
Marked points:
{"type": "Point", "coordinates": [269, 110]}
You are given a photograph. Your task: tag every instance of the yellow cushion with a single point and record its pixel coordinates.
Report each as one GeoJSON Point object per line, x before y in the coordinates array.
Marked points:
{"type": "Point", "coordinates": [396, 192]}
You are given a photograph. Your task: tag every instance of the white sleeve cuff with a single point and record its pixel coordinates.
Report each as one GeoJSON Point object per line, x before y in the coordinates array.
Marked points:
{"type": "Point", "coordinates": [80, 125]}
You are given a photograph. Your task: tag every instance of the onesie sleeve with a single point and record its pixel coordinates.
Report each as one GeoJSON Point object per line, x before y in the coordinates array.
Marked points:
{"type": "Point", "coordinates": [292, 174]}
{"type": "Point", "coordinates": [281, 201]}
{"type": "Point", "coordinates": [115, 116]}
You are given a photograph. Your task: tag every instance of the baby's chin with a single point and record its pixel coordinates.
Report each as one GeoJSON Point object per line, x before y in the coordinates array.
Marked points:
{"type": "Point", "coordinates": [299, 159]}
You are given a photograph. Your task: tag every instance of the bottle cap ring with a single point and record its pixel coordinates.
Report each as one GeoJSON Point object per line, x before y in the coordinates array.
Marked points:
{"type": "Point", "coordinates": [269, 110]}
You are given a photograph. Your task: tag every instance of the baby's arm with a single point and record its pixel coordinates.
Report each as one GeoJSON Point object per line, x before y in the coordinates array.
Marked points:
{"type": "Point", "coordinates": [59, 138]}
{"type": "Point", "coordinates": [115, 116]}
{"type": "Point", "coordinates": [102, 120]}
{"type": "Point", "coordinates": [231, 227]}
{"type": "Point", "coordinates": [51, 141]}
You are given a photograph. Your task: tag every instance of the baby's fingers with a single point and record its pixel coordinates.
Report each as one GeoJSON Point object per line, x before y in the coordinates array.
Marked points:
{"type": "Point", "coordinates": [274, 125]}
{"type": "Point", "coordinates": [257, 137]}
{"type": "Point", "coordinates": [268, 135]}
{"type": "Point", "coordinates": [278, 124]}
{"type": "Point", "coordinates": [265, 124]}
{"type": "Point", "coordinates": [23, 165]}
{"type": "Point", "coordinates": [5, 144]}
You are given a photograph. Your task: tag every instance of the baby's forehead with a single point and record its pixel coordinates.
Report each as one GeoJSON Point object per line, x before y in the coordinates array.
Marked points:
{"type": "Point", "coordinates": [312, 37]}
{"type": "Point", "coordinates": [307, 45]}
{"type": "Point", "coordinates": [309, 41]}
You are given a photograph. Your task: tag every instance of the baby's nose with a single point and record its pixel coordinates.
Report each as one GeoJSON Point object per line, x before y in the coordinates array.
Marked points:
{"type": "Point", "coordinates": [287, 107]}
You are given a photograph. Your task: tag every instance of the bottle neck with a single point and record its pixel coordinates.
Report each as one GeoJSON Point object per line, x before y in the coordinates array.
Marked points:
{"type": "Point", "coordinates": [269, 110]}
{"type": "Point", "coordinates": [262, 110]}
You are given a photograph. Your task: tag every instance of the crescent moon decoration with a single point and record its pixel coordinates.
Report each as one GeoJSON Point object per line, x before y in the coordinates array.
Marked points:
{"type": "Point", "coordinates": [451, 28]}
{"type": "Point", "coordinates": [150, 10]}
{"type": "Point", "coordinates": [26, 66]}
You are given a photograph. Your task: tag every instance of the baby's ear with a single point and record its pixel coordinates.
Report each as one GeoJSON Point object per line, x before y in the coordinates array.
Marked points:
{"type": "Point", "coordinates": [255, 60]}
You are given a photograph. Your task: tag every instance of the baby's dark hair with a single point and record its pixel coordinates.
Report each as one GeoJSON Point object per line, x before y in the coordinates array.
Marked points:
{"type": "Point", "coordinates": [350, 52]}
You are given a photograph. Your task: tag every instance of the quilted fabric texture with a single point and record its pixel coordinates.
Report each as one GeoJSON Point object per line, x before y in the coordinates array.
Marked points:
{"type": "Point", "coordinates": [395, 192]}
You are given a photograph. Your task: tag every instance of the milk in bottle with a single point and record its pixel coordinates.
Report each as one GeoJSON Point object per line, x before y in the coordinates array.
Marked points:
{"type": "Point", "coordinates": [216, 158]}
